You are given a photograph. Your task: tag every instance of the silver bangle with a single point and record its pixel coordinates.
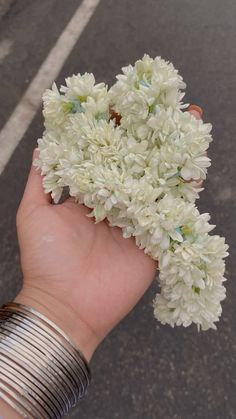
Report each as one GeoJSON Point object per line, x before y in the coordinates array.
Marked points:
{"type": "Point", "coordinates": [42, 373]}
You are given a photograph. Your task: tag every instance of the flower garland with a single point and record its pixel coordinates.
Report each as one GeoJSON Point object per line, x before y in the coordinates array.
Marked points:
{"type": "Point", "coordinates": [135, 156]}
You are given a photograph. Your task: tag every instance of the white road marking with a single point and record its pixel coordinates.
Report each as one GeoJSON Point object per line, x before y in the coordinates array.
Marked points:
{"type": "Point", "coordinates": [23, 114]}
{"type": "Point", "coordinates": [5, 48]}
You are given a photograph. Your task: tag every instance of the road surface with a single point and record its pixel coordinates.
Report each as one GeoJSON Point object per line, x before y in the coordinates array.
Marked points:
{"type": "Point", "coordinates": [142, 370]}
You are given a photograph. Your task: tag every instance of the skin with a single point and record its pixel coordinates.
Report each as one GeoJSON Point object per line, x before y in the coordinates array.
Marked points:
{"type": "Point", "coordinates": [83, 276]}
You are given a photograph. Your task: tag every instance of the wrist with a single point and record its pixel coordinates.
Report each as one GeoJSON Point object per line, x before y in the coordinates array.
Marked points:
{"type": "Point", "coordinates": [63, 316]}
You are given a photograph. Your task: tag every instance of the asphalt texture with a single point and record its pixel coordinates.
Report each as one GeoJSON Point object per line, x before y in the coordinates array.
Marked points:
{"type": "Point", "coordinates": [142, 370]}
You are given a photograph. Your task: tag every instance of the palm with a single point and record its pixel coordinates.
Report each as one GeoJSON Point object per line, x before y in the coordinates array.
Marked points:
{"type": "Point", "coordinates": [99, 273]}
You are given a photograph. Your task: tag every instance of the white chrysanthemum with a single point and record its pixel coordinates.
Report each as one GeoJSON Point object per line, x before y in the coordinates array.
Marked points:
{"type": "Point", "coordinates": [135, 157]}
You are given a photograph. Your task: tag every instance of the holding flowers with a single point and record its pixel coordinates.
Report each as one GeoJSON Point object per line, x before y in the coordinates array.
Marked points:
{"type": "Point", "coordinates": [135, 157]}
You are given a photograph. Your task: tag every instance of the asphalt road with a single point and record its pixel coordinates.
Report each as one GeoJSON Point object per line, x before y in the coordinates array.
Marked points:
{"type": "Point", "coordinates": [142, 370]}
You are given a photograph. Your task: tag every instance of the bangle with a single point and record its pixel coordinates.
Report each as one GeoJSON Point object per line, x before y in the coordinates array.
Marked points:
{"type": "Point", "coordinates": [42, 373]}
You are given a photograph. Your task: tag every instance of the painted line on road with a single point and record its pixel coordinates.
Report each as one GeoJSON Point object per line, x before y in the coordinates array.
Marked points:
{"type": "Point", "coordinates": [23, 114]}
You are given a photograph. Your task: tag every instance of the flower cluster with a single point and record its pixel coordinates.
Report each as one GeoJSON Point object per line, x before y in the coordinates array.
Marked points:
{"type": "Point", "coordinates": [134, 155]}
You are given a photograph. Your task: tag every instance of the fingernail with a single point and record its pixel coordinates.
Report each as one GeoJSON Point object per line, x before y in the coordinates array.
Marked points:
{"type": "Point", "coordinates": [196, 108]}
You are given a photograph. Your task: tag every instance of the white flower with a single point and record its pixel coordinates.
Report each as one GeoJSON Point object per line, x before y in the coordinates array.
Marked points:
{"type": "Point", "coordinates": [157, 79]}
{"type": "Point", "coordinates": [142, 175]}
{"type": "Point", "coordinates": [195, 168]}
{"type": "Point", "coordinates": [56, 109]}
{"type": "Point", "coordinates": [191, 281]}
{"type": "Point", "coordinates": [82, 86]}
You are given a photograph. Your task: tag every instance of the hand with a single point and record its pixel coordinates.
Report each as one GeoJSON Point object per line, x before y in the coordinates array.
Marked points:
{"type": "Point", "coordinates": [84, 276]}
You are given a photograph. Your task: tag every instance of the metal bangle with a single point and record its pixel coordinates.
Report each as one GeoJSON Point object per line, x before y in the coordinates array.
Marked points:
{"type": "Point", "coordinates": [62, 339]}
{"type": "Point", "coordinates": [27, 401]}
{"type": "Point", "coordinates": [54, 327]}
{"type": "Point", "coordinates": [24, 339]}
{"type": "Point", "coordinates": [38, 373]}
{"type": "Point", "coordinates": [15, 369]}
{"type": "Point", "coordinates": [53, 347]}
{"type": "Point", "coordinates": [17, 345]}
{"type": "Point", "coordinates": [43, 374]}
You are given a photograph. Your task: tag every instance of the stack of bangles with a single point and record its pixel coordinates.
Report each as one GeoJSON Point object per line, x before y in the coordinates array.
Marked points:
{"type": "Point", "coordinates": [42, 373]}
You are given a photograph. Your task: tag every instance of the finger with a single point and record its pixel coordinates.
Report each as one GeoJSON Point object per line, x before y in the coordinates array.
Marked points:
{"type": "Point", "coordinates": [195, 111]}
{"type": "Point", "coordinates": [34, 194]}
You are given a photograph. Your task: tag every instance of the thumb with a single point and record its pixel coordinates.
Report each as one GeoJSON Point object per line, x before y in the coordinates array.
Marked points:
{"type": "Point", "coordinates": [34, 194]}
